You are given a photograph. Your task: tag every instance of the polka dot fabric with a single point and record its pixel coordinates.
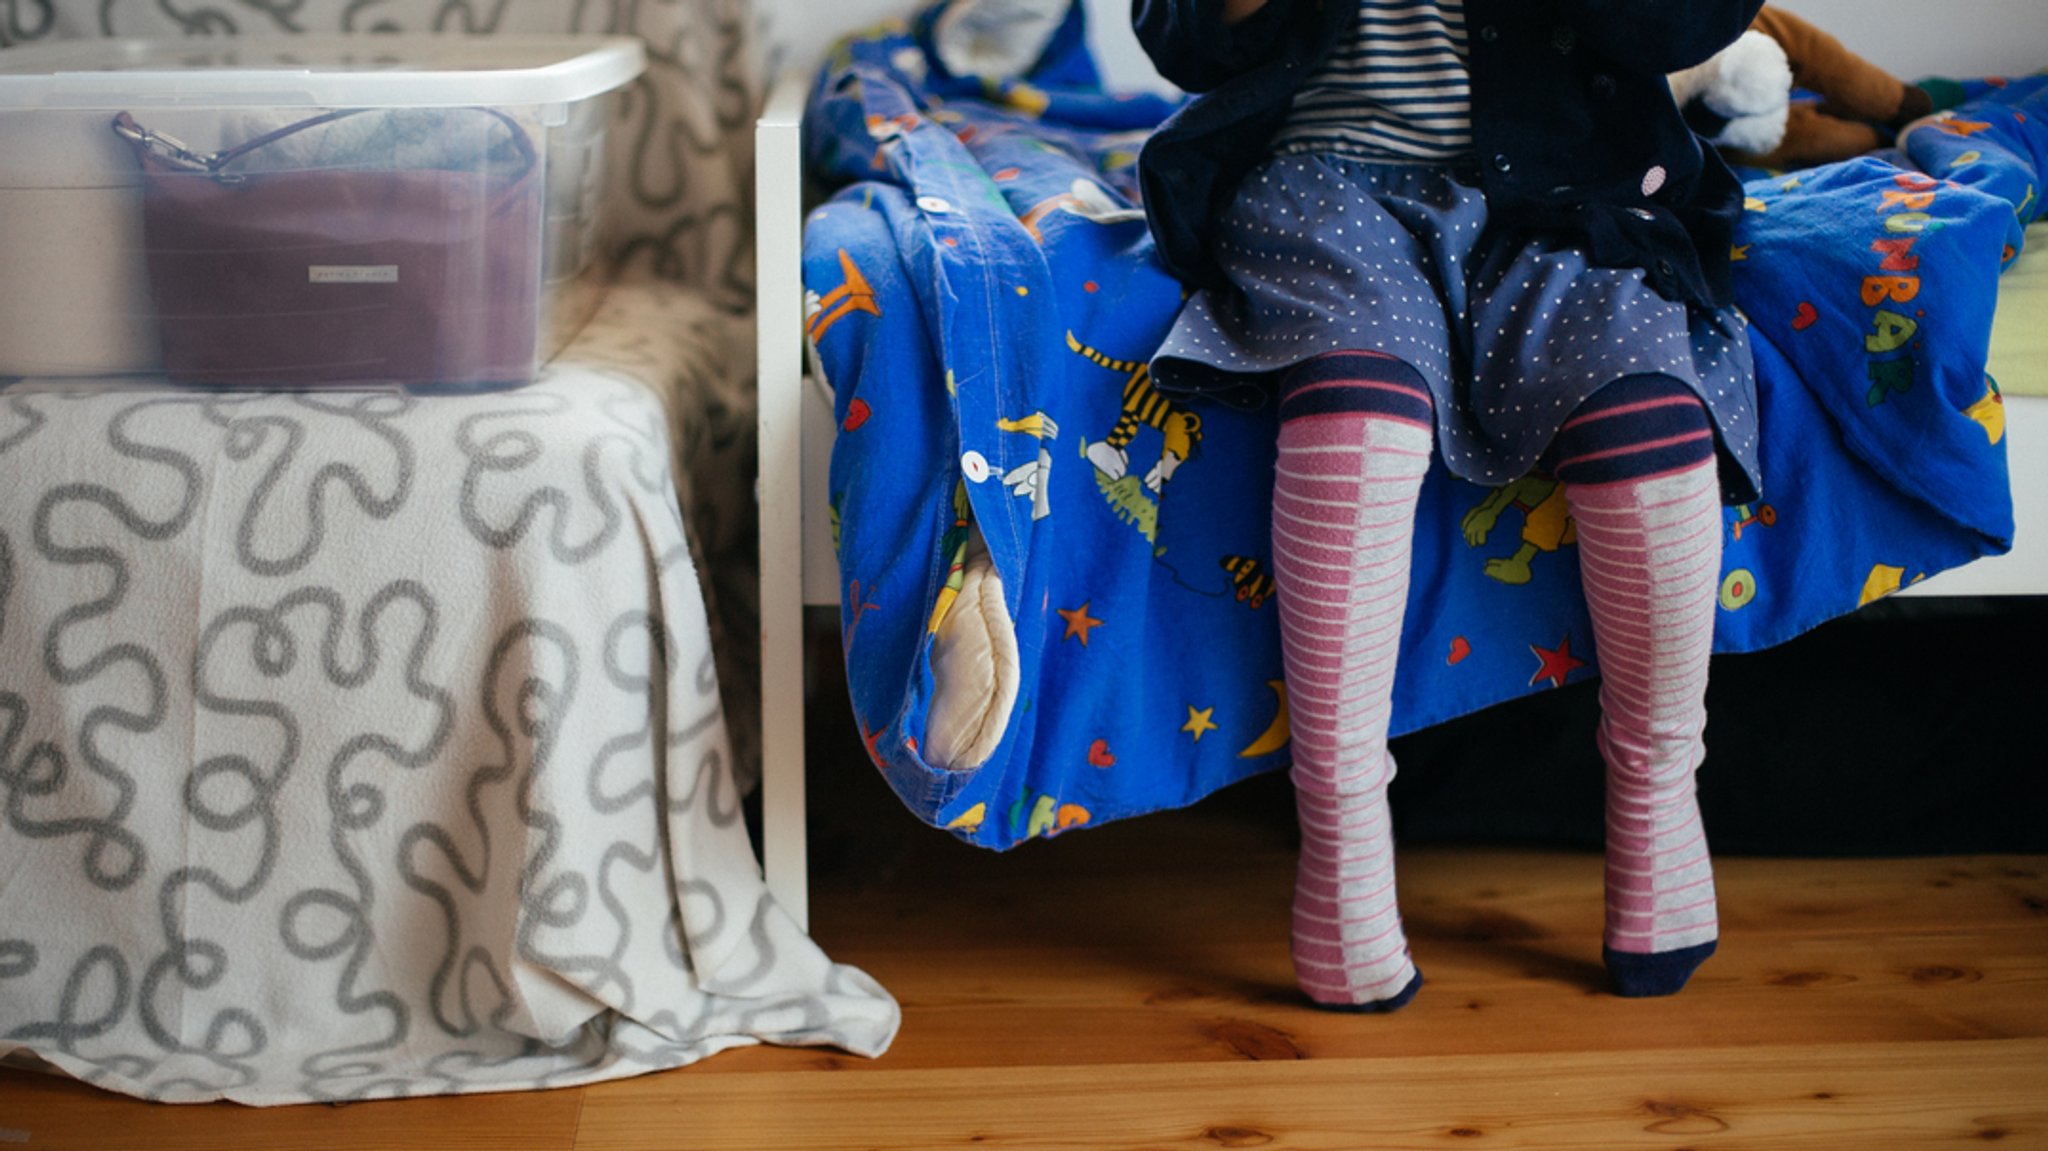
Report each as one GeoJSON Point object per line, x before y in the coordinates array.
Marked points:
{"type": "Point", "coordinates": [1512, 331]}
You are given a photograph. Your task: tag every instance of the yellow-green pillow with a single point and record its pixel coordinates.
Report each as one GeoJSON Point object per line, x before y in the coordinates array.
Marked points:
{"type": "Point", "coordinates": [2019, 331]}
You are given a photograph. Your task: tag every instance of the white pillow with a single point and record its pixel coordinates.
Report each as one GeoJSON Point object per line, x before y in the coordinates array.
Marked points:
{"type": "Point", "coordinates": [974, 669]}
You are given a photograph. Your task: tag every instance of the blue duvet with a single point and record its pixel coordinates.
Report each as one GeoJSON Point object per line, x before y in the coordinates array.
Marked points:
{"type": "Point", "coordinates": [983, 297]}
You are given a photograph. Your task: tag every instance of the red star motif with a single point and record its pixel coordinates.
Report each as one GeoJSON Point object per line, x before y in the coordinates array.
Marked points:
{"type": "Point", "coordinates": [871, 738]}
{"type": "Point", "coordinates": [1078, 622]}
{"type": "Point", "coordinates": [1554, 665]}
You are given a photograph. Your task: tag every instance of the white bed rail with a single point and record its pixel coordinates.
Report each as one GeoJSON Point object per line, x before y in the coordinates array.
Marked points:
{"type": "Point", "coordinates": [779, 492]}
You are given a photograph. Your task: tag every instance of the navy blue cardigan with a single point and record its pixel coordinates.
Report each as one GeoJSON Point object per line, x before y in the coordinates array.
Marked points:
{"type": "Point", "coordinates": [1573, 126]}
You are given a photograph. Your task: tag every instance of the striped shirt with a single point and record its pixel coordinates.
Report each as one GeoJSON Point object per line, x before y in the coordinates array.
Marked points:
{"type": "Point", "coordinates": [1396, 89]}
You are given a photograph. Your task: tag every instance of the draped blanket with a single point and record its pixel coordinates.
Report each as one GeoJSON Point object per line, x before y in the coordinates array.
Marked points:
{"type": "Point", "coordinates": [365, 744]}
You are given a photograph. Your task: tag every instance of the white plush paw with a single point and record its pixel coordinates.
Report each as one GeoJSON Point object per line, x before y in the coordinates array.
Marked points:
{"type": "Point", "coordinates": [1751, 77]}
{"type": "Point", "coordinates": [1748, 83]}
{"type": "Point", "coordinates": [1759, 133]}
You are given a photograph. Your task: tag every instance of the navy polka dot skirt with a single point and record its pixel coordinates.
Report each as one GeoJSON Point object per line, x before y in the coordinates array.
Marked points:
{"type": "Point", "coordinates": [1511, 331]}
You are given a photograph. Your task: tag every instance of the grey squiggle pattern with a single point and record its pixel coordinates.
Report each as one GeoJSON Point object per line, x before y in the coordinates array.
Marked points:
{"type": "Point", "coordinates": [114, 855]}
{"type": "Point", "coordinates": [623, 749]}
{"type": "Point", "coordinates": [515, 450]}
{"type": "Point", "coordinates": [356, 747]}
{"type": "Point", "coordinates": [13, 708]}
{"type": "Point", "coordinates": [27, 19]}
{"type": "Point", "coordinates": [22, 421]}
{"type": "Point", "coordinates": [374, 415]}
{"type": "Point", "coordinates": [67, 1030]}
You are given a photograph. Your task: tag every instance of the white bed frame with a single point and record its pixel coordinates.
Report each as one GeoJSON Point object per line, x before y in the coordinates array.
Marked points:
{"type": "Point", "coordinates": [786, 442]}
{"type": "Point", "coordinates": [797, 563]}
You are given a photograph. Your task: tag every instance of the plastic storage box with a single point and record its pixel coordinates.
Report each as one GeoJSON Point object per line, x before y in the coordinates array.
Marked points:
{"type": "Point", "coordinates": [303, 211]}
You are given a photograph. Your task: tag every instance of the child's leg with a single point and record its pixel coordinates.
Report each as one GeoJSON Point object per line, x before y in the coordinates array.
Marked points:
{"type": "Point", "coordinates": [1355, 437]}
{"type": "Point", "coordinates": [1637, 460]}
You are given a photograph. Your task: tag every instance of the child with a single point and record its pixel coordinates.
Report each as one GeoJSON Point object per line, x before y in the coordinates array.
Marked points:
{"type": "Point", "coordinates": [1478, 225]}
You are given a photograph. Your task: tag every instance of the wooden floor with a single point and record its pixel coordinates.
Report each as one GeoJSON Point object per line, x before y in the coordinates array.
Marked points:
{"type": "Point", "coordinates": [1129, 987]}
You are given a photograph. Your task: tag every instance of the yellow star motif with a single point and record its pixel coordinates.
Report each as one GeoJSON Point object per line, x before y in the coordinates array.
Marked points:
{"type": "Point", "coordinates": [1078, 622]}
{"type": "Point", "coordinates": [1754, 204]}
{"type": "Point", "coordinates": [1198, 721]}
{"type": "Point", "coordinates": [1739, 252]}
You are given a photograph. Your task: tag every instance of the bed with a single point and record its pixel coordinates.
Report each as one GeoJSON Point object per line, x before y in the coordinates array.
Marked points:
{"type": "Point", "coordinates": [368, 744]}
{"type": "Point", "coordinates": [1969, 515]}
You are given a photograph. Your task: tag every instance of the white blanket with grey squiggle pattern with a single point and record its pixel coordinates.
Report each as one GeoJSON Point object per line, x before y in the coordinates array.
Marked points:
{"type": "Point", "coordinates": [358, 745]}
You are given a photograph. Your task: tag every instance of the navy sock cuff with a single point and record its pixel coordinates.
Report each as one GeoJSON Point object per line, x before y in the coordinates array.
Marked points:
{"type": "Point", "coordinates": [1356, 382]}
{"type": "Point", "coordinates": [1635, 427]}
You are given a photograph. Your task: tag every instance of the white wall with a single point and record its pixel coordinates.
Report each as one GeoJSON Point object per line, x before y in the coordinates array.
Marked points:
{"type": "Point", "coordinates": [1955, 38]}
{"type": "Point", "coordinates": [1116, 47]}
{"type": "Point", "coordinates": [1909, 37]}
{"type": "Point", "coordinates": [801, 30]}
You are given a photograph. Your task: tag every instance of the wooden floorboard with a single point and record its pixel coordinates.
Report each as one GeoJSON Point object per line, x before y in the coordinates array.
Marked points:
{"type": "Point", "coordinates": [1822, 1096]}
{"type": "Point", "coordinates": [38, 1112]}
{"type": "Point", "coordinates": [1129, 986]}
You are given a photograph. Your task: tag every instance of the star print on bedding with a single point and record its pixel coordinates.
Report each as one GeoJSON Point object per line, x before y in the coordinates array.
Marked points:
{"type": "Point", "coordinates": [983, 298]}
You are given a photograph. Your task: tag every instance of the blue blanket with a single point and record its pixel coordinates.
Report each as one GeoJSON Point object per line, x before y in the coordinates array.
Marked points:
{"type": "Point", "coordinates": [983, 296]}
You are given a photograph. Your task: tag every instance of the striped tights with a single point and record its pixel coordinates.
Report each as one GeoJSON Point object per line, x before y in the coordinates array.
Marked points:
{"type": "Point", "coordinates": [1355, 441]}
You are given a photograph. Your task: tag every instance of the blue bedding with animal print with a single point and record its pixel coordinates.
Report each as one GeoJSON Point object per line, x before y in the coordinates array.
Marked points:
{"type": "Point", "coordinates": [983, 295]}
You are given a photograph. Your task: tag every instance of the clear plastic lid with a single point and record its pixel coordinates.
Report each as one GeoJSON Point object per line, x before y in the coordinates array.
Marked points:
{"type": "Point", "coordinates": [332, 71]}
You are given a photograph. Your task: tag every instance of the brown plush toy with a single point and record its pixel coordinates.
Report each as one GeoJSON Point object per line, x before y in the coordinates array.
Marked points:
{"type": "Point", "coordinates": [1729, 99]}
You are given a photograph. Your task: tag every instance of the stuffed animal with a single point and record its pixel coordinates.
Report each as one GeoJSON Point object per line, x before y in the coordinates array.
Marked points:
{"type": "Point", "coordinates": [1740, 100]}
